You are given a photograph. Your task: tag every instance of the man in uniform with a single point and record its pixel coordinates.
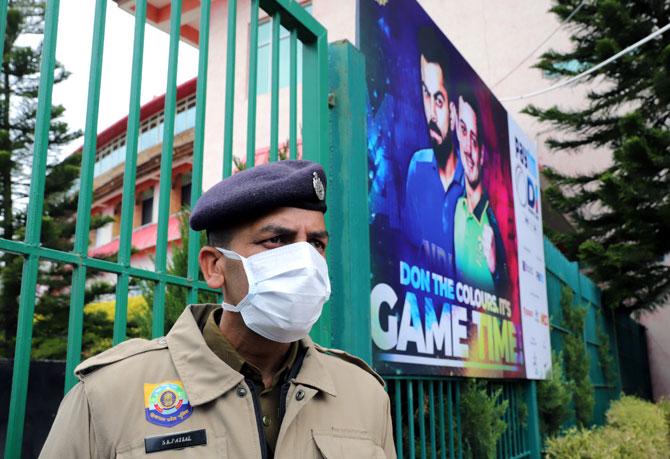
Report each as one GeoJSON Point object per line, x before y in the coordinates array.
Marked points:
{"type": "Point", "coordinates": [243, 380]}
{"type": "Point", "coordinates": [435, 175]}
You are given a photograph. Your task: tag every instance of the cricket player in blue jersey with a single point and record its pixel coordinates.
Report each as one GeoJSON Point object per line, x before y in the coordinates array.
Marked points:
{"type": "Point", "coordinates": [435, 175]}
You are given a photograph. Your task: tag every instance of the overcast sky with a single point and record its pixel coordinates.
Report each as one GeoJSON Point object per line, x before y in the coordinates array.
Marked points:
{"type": "Point", "coordinates": [74, 52]}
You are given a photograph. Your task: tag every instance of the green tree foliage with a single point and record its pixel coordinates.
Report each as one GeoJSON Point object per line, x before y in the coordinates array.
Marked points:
{"type": "Point", "coordinates": [481, 419]}
{"type": "Point", "coordinates": [176, 298]}
{"type": "Point", "coordinates": [635, 429]}
{"type": "Point", "coordinates": [553, 398]}
{"type": "Point", "coordinates": [621, 213]}
{"type": "Point", "coordinates": [54, 279]}
{"type": "Point", "coordinates": [19, 83]}
{"type": "Point", "coordinates": [576, 360]}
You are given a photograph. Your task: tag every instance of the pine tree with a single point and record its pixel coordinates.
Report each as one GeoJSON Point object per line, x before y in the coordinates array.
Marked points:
{"type": "Point", "coordinates": [19, 85]}
{"type": "Point", "coordinates": [621, 214]}
{"type": "Point", "coordinates": [54, 280]}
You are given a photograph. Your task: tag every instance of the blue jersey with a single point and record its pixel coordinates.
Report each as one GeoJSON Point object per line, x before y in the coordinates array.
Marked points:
{"type": "Point", "coordinates": [429, 211]}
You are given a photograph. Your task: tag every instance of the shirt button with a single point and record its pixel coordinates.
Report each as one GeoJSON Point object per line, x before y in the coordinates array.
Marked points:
{"type": "Point", "coordinates": [241, 391]}
{"type": "Point", "coordinates": [266, 421]}
{"type": "Point", "coordinates": [300, 394]}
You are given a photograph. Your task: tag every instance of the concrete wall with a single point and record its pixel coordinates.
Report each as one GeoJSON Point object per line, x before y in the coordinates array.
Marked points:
{"type": "Point", "coordinates": [493, 36]}
{"type": "Point", "coordinates": [658, 346]}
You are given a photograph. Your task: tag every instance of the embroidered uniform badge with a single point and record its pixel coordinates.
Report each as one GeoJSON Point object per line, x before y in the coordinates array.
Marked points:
{"type": "Point", "coordinates": [166, 403]}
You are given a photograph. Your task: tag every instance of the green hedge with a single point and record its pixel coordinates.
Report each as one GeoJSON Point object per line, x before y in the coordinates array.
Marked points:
{"type": "Point", "coordinates": [635, 428]}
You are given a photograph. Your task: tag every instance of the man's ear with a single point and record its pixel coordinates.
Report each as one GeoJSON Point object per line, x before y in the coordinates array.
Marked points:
{"type": "Point", "coordinates": [212, 269]}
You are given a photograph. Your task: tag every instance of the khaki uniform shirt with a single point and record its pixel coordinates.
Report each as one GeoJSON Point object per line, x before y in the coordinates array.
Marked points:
{"type": "Point", "coordinates": [148, 398]}
{"type": "Point", "coordinates": [268, 396]}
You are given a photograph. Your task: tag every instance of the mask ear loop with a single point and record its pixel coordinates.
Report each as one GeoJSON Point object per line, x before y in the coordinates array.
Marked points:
{"type": "Point", "coordinates": [251, 281]}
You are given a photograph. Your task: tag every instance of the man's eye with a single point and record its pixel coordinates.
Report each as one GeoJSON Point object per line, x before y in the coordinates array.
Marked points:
{"type": "Point", "coordinates": [274, 240]}
{"type": "Point", "coordinates": [318, 245]}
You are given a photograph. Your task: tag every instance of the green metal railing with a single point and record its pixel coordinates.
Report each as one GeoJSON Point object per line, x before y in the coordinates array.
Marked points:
{"type": "Point", "coordinates": [303, 28]}
{"type": "Point", "coordinates": [427, 420]}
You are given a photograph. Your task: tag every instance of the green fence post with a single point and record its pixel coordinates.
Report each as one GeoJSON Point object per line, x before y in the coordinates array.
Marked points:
{"type": "Point", "coordinates": [533, 427]}
{"type": "Point", "coordinates": [24, 331]}
{"type": "Point", "coordinates": [76, 314]}
{"type": "Point", "coordinates": [349, 254]}
{"type": "Point", "coordinates": [193, 269]}
{"type": "Point", "coordinates": [165, 183]}
{"type": "Point", "coordinates": [230, 87]}
{"type": "Point", "coordinates": [129, 176]}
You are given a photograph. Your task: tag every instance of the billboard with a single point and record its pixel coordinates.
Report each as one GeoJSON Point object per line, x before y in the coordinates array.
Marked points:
{"type": "Point", "coordinates": [457, 281]}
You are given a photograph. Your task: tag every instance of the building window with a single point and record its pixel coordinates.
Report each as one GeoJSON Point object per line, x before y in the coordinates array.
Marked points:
{"type": "Point", "coordinates": [186, 190]}
{"type": "Point", "coordinates": [264, 75]}
{"type": "Point", "coordinates": [147, 207]}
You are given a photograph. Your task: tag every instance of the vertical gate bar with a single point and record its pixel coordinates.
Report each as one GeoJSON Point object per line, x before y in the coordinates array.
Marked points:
{"type": "Point", "coordinates": [431, 396]}
{"type": "Point", "coordinates": [315, 141]}
{"type": "Point", "coordinates": [502, 441]}
{"type": "Point", "coordinates": [398, 416]}
{"type": "Point", "coordinates": [165, 184]}
{"type": "Point", "coordinates": [450, 415]}
{"type": "Point", "coordinates": [3, 23]}
{"type": "Point", "coordinates": [440, 404]}
{"type": "Point", "coordinates": [253, 68]}
{"type": "Point", "coordinates": [198, 144]}
{"type": "Point", "coordinates": [230, 87]}
{"type": "Point", "coordinates": [350, 264]}
{"type": "Point", "coordinates": [522, 433]}
{"type": "Point", "coordinates": [507, 438]}
{"type": "Point", "coordinates": [533, 426]}
{"type": "Point", "coordinates": [458, 419]}
{"type": "Point", "coordinates": [76, 314]}
{"type": "Point", "coordinates": [315, 100]}
{"type": "Point", "coordinates": [511, 415]}
{"type": "Point", "coordinates": [274, 102]}
{"type": "Point", "coordinates": [422, 419]}
{"type": "Point", "coordinates": [524, 437]}
{"type": "Point", "coordinates": [515, 419]}
{"type": "Point", "coordinates": [410, 419]}
{"type": "Point", "coordinates": [24, 332]}
{"type": "Point", "coordinates": [293, 95]}
{"type": "Point", "coordinates": [129, 171]}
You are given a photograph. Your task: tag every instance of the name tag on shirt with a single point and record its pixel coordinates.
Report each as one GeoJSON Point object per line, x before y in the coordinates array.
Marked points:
{"type": "Point", "coordinates": [175, 441]}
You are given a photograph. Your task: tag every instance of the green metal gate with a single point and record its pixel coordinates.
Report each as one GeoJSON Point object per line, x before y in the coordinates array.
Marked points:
{"type": "Point", "coordinates": [303, 28]}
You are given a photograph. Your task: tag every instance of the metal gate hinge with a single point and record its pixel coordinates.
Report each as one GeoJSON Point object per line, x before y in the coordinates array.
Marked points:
{"type": "Point", "coordinates": [331, 99]}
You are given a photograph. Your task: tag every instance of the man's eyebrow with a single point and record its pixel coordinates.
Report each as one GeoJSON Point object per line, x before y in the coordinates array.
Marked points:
{"type": "Point", "coordinates": [277, 229]}
{"type": "Point", "coordinates": [319, 234]}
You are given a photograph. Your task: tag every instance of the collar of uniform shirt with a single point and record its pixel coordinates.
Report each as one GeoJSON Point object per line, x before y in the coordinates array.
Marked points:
{"type": "Point", "coordinates": [229, 355]}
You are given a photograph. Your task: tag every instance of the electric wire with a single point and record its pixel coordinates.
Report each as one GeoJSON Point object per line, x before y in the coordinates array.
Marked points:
{"type": "Point", "coordinates": [532, 53]}
{"type": "Point", "coordinates": [571, 80]}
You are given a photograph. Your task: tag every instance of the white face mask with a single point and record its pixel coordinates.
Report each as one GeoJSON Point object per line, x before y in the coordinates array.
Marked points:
{"type": "Point", "coordinates": [287, 289]}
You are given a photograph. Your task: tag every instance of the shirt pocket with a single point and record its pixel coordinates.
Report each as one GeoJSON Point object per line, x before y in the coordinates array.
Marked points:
{"type": "Point", "coordinates": [215, 447]}
{"type": "Point", "coordinates": [346, 444]}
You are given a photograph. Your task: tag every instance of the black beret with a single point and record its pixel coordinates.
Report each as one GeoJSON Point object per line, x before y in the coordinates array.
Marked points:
{"type": "Point", "coordinates": [258, 190]}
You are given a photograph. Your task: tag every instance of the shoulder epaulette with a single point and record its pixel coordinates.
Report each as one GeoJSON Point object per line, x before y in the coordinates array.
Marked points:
{"type": "Point", "coordinates": [351, 359]}
{"type": "Point", "coordinates": [119, 352]}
